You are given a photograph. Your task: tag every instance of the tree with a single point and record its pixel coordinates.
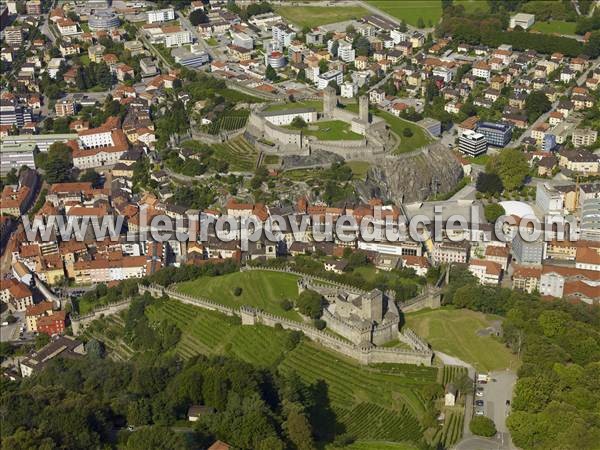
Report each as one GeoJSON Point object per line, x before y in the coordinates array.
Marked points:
{"type": "Point", "coordinates": [493, 211]}
{"type": "Point", "coordinates": [403, 27]}
{"type": "Point", "coordinates": [407, 132]}
{"type": "Point", "coordinates": [482, 426]}
{"type": "Point", "coordinates": [299, 431]}
{"type": "Point", "coordinates": [489, 183]}
{"type": "Point", "coordinates": [94, 348]}
{"type": "Point", "coordinates": [298, 122]}
{"type": "Point", "coordinates": [420, 23]}
{"type": "Point", "coordinates": [350, 29]}
{"type": "Point", "coordinates": [270, 73]}
{"type": "Point", "coordinates": [301, 75]}
{"type": "Point", "coordinates": [310, 303]}
{"type": "Point", "coordinates": [197, 17]}
{"type": "Point", "coordinates": [362, 45]}
{"type": "Point", "coordinates": [90, 176]}
{"type": "Point", "coordinates": [511, 166]}
{"type": "Point", "coordinates": [323, 65]}
{"type": "Point", "coordinates": [536, 104]}
{"type": "Point", "coordinates": [58, 164]}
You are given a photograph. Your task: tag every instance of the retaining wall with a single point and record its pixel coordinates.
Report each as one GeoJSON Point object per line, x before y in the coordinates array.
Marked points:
{"type": "Point", "coordinates": [79, 323]}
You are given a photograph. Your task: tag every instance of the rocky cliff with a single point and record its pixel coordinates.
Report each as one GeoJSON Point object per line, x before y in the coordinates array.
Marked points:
{"type": "Point", "coordinates": [412, 177]}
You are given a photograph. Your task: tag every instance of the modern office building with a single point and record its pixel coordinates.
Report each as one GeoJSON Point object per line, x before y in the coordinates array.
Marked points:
{"type": "Point", "coordinates": [104, 19]}
{"type": "Point", "coordinates": [195, 58]}
{"type": "Point", "coordinates": [12, 113]}
{"type": "Point", "coordinates": [496, 134]}
{"type": "Point", "coordinates": [472, 143]}
{"type": "Point", "coordinates": [14, 156]}
{"type": "Point", "coordinates": [528, 253]}
{"type": "Point", "coordinates": [590, 219]}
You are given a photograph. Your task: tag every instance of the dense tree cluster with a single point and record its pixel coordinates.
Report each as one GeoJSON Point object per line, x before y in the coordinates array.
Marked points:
{"type": "Point", "coordinates": [56, 163]}
{"type": "Point", "coordinates": [559, 381]}
{"type": "Point", "coordinates": [511, 166]}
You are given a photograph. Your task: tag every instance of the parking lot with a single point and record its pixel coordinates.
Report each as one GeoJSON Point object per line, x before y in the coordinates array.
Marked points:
{"type": "Point", "coordinates": [12, 332]}
{"type": "Point", "coordinates": [493, 398]}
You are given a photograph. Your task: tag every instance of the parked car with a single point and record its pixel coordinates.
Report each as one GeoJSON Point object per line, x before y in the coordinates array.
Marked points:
{"type": "Point", "coordinates": [479, 393]}
{"type": "Point", "coordinates": [507, 402]}
{"type": "Point", "coordinates": [479, 412]}
{"type": "Point", "coordinates": [479, 402]}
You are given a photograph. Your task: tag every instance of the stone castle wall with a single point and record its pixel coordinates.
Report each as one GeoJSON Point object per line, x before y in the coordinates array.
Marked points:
{"type": "Point", "coordinates": [366, 354]}
{"type": "Point", "coordinates": [79, 323]}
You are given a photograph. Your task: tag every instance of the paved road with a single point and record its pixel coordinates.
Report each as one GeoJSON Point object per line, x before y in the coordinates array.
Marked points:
{"type": "Point", "coordinates": [192, 29]}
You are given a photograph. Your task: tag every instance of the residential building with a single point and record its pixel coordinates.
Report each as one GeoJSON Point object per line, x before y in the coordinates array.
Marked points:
{"type": "Point", "coordinates": [59, 347]}
{"type": "Point", "coordinates": [526, 278]}
{"type": "Point", "coordinates": [283, 35]}
{"type": "Point", "coordinates": [447, 252]}
{"type": "Point", "coordinates": [161, 15]}
{"type": "Point", "coordinates": [324, 79]}
{"type": "Point", "coordinates": [13, 36]}
{"type": "Point", "coordinates": [345, 51]}
{"type": "Point", "coordinates": [64, 108]}
{"type": "Point", "coordinates": [487, 272]}
{"type": "Point", "coordinates": [242, 40]}
{"type": "Point", "coordinates": [584, 137]}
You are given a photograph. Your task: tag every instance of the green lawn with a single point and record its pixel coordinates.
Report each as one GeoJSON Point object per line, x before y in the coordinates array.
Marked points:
{"type": "Point", "coordinates": [317, 104]}
{"type": "Point", "coordinates": [359, 168]}
{"type": "Point", "coordinates": [454, 331]}
{"type": "Point", "coordinates": [314, 16]}
{"type": "Point", "coordinates": [419, 136]}
{"type": "Point", "coordinates": [429, 10]}
{"type": "Point", "coordinates": [480, 160]}
{"type": "Point", "coordinates": [372, 403]}
{"type": "Point", "coordinates": [85, 60]}
{"type": "Point", "coordinates": [555, 26]}
{"type": "Point", "coordinates": [332, 130]}
{"type": "Point", "coordinates": [264, 290]}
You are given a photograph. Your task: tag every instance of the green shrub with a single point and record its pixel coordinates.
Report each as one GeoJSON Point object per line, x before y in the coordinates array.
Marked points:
{"type": "Point", "coordinates": [482, 426]}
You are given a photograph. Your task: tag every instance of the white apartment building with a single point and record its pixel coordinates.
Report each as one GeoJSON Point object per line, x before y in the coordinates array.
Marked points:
{"type": "Point", "coordinates": [487, 272]}
{"type": "Point", "coordinates": [399, 36]}
{"type": "Point", "coordinates": [324, 79]}
{"type": "Point", "coordinates": [161, 15]}
{"type": "Point", "coordinates": [345, 51]}
{"type": "Point", "coordinates": [283, 35]}
{"type": "Point", "coordinates": [242, 40]}
{"type": "Point", "coordinates": [482, 70]}
{"type": "Point", "coordinates": [349, 90]}
{"type": "Point", "coordinates": [178, 38]}
{"type": "Point", "coordinates": [522, 20]}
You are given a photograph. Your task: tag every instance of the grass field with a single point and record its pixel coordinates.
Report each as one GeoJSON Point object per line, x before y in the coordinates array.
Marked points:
{"type": "Point", "coordinates": [418, 139]}
{"type": "Point", "coordinates": [264, 290]}
{"type": "Point", "coordinates": [454, 331]}
{"type": "Point", "coordinates": [359, 169]}
{"type": "Point", "coordinates": [429, 10]}
{"type": "Point", "coordinates": [332, 130]}
{"type": "Point", "coordinates": [314, 16]}
{"type": "Point", "coordinates": [240, 155]}
{"type": "Point", "coordinates": [555, 26]}
{"type": "Point", "coordinates": [374, 403]}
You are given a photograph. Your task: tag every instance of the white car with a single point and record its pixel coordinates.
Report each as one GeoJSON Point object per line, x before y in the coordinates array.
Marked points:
{"type": "Point", "coordinates": [479, 393]}
{"type": "Point", "coordinates": [479, 412]}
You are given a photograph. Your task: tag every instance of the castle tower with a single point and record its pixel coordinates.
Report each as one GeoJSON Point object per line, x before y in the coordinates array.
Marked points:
{"type": "Point", "coordinates": [329, 101]}
{"type": "Point", "coordinates": [363, 108]}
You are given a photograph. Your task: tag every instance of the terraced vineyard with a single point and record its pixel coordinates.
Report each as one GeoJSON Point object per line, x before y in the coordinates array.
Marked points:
{"type": "Point", "coordinates": [350, 383]}
{"type": "Point", "coordinates": [232, 121]}
{"type": "Point", "coordinates": [110, 331]}
{"type": "Point", "coordinates": [208, 333]}
{"type": "Point", "coordinates": [382, 402]}
{"type": "Point", "coordinates": [240, 154]}
{"type": "Point", "coordinates": [452, 373]}
{"type": "Point", "coordinates": [451, 432]}
{"type": "Point", "coordinates": [368, 421]}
